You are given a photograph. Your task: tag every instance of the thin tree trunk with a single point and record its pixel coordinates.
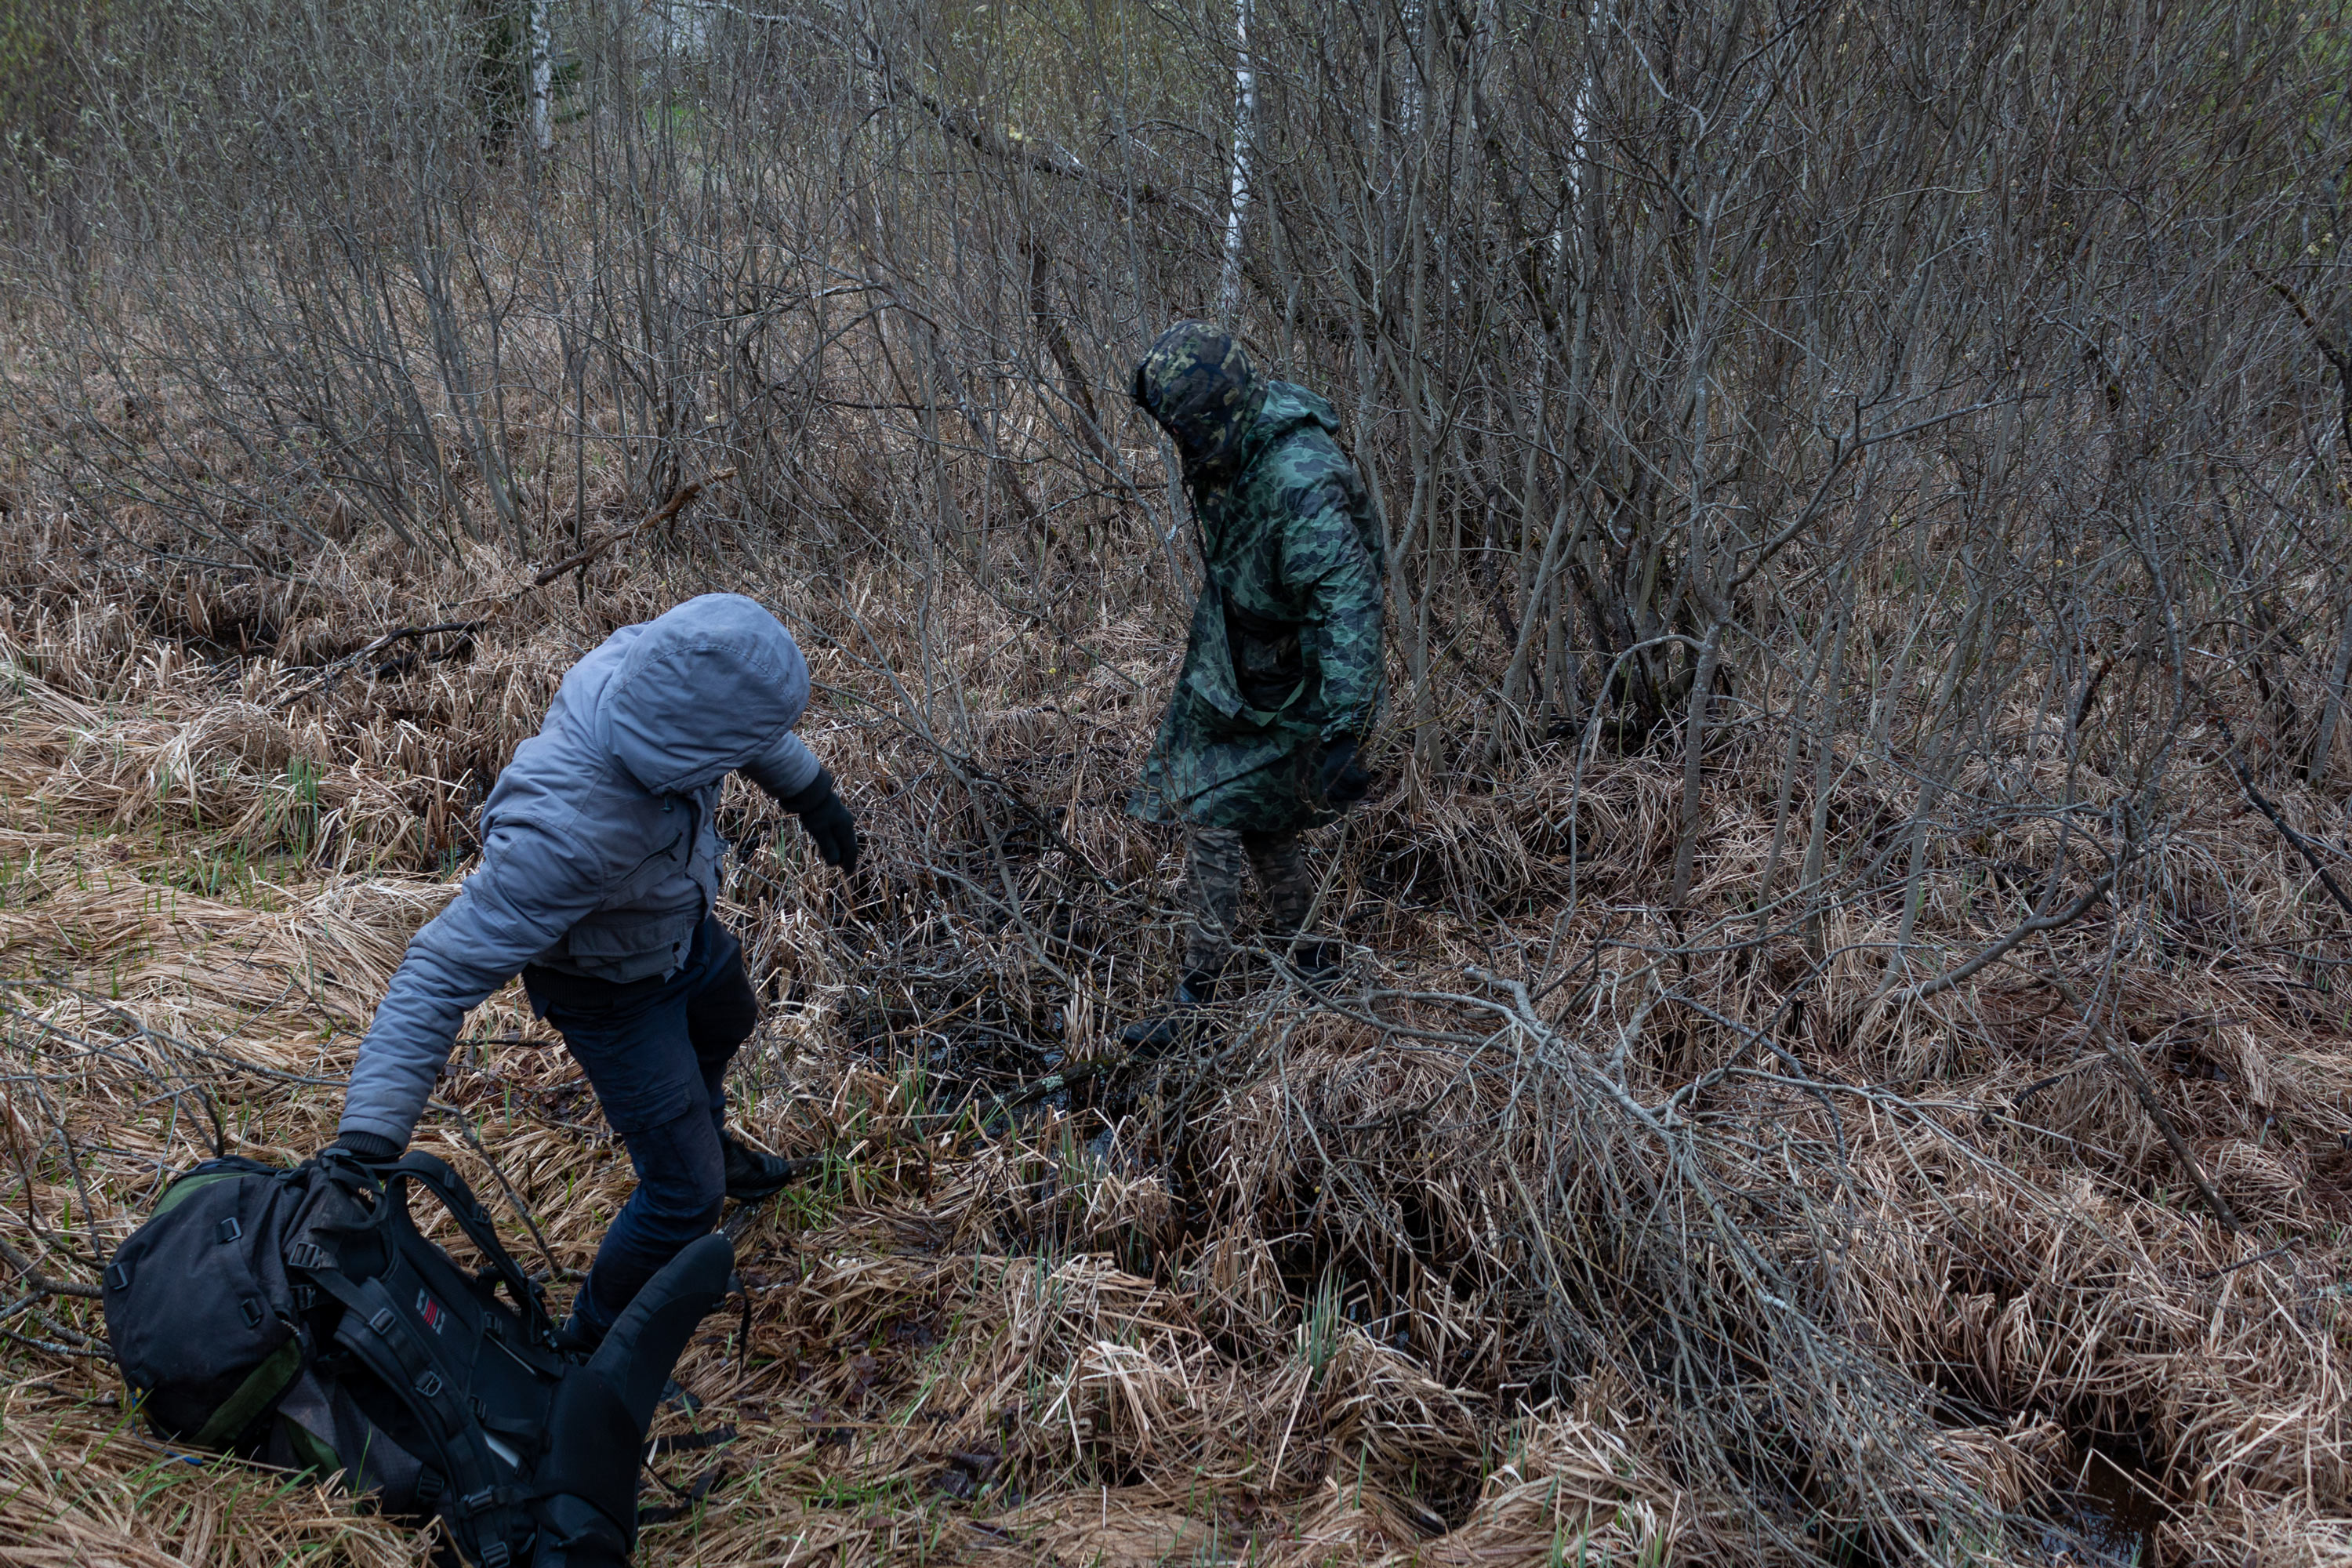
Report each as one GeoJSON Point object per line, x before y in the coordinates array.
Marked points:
{"type": "Point", "coordinates": [1694, 743]}
{"type": "Point", "coordinates": [2315, 766]}
{"type": "Point", "coordinates": [1799, 711]}
{"type": "Point", "coordinates": [1941, 763]}
{"type": "Point", "coordinates": [1808, 879]}
{"type": "Point", "coordinates": [1229, 287]}
{"type": "Point", "coordinates": [542, 75]}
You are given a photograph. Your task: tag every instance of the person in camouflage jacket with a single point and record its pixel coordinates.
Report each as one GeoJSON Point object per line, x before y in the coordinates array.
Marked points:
{"type": "Point", "coordinates": [1282, 677]}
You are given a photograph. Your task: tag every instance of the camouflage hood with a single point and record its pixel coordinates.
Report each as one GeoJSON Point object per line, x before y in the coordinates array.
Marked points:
{"type": "Point", "coordinates": [1196, 382]}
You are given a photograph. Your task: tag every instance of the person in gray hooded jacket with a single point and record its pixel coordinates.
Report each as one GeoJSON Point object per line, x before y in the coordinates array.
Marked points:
{"type": "Point", "coordinates": [598, 879]}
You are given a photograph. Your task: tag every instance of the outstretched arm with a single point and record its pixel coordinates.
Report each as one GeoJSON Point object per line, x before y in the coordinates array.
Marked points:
{"type": "Point", "coordinates": [785, 769]}
{"type": "Point", "coordinates": [531, 887]}
{"type": "Point", "coordinates": [791, 772]}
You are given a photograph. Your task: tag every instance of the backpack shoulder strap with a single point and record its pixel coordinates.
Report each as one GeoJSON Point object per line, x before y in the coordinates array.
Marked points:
{"type": "Point", "coordinates": [385, 1341]}
{"type": "Point", "coordinates": [450, 1188]}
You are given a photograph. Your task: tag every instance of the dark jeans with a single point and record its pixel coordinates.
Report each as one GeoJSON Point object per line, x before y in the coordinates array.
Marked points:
{"type": "Point", "coordinates": [656, 1052]}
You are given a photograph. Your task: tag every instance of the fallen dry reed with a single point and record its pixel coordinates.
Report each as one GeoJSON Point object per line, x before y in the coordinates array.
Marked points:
{"type": "Point", "coordinates": [1580, 1230]}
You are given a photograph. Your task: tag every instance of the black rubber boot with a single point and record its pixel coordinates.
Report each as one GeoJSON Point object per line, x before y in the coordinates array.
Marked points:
{"type": "Point", "coordinates": [1181, 1021]}
{"type": "Point", "coordinates": [752, 1175]}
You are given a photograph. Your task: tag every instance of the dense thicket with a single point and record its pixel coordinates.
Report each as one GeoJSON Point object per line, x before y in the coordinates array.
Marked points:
{"type": "Point", "coordinates": [1919, 435]}
{"type": "Point", "coordinates": [1666, 330]}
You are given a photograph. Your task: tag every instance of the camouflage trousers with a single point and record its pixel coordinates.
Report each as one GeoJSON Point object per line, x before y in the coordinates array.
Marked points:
{"type": "Point", "coordinates": [1217, 860]}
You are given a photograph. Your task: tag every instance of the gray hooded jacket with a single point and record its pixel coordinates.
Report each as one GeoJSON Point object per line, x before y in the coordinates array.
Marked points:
{"type": "Point", "coordinates": [598, 853]}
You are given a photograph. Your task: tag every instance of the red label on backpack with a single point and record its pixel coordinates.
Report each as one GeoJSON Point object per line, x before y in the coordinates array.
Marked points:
{"type": "Point", "coordinates": [434, 1313]}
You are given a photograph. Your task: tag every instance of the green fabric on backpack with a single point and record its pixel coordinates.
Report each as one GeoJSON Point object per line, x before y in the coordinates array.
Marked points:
{"type": "Point", "coordinates": [253, 1396]}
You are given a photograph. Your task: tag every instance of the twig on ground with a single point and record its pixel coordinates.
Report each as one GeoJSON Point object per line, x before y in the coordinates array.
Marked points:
{"type": "Point", "coordinates": [325, 675]}
{"type": "Point", "coordinates": [45, 1284]}
{"type": "Point", "coordinates": [2144, 1092]}
{"type": "Point", "coordinates": [2033, 926]}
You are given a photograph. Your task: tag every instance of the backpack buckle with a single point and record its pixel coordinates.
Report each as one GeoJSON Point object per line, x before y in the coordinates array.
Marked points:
{"type": "Point", "coordinates": [429, 1383]}
{"type": "Point", "coordinates": [252, 1312]}
{"type": "Point", "coordinates": [476, 1502]}
{"type": "Point", "coordinates": [228, 1230]}
{"type": "Point", "coordinates": [495, 1555]}
{"type": "Point", "coordinates": [118, 1278]}
{"type": "Point", "coordinates": [306, 1255]}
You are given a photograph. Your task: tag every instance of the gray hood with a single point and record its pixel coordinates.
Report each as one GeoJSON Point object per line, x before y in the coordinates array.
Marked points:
{"type": "Point", "coordinates": [702, 689]}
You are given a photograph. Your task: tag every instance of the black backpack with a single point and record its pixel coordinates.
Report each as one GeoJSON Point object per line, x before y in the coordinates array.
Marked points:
{"type": "Point", "coordinates": [296, 1317]}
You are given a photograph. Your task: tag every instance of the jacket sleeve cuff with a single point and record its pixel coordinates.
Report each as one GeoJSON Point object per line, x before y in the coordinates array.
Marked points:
{"type": "Point", "coordinates": [368, 1145]}
{"type": "Point", "coordinates": [785, 769]}
{"type": "Point", "coordinates": [391, 1133]}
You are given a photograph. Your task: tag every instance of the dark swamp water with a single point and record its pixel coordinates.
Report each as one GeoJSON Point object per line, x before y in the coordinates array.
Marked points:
{"type": "Point", "coordinates": [2109, 1518]}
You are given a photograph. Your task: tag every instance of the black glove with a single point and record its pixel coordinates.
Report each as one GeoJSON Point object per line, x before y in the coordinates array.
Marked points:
{"type": "Point", "coordinates": [827, 821]}
{"type": "Point", "coordinates": [369, 1148]}
{"type": "Point", "coordinates": [1341, 782]}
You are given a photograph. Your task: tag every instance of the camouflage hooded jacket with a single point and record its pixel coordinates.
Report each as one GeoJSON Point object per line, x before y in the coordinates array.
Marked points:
{"type": "Point", "coordinates": [1284, 655]}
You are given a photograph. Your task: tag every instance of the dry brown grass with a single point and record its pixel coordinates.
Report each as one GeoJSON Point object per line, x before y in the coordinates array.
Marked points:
{"type": "Point", "coordinates": [1395, 1281]}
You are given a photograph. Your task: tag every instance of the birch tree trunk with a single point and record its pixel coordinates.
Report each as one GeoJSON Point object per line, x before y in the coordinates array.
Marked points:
{"type": "Point", "coordinates": [541, 74]}
{"type": "Point", "coordinates": [1229, 287]}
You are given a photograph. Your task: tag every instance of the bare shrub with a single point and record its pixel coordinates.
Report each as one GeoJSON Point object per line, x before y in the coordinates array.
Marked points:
{"type": "Point", "coordinates": [1843, 1010]}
